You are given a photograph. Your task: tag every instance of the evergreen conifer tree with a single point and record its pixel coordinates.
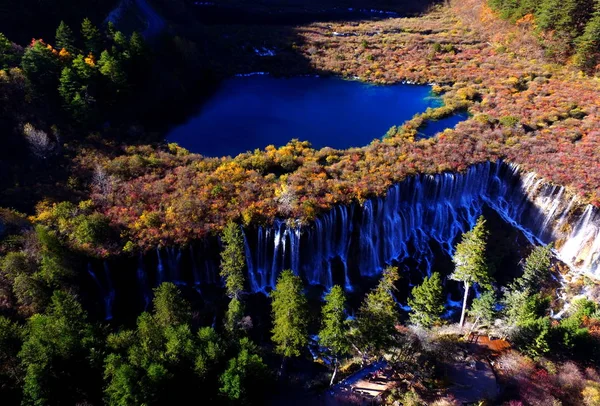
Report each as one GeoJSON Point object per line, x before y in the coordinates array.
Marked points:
{"type": "Point", "coordinates": [378, 314]}
{"type": "Point", "coordinates": [290, 317]}
{"type": "Point", "coordinates": [427, 302]}
{"type": "Point", "coordinates": [334, 329]}
{"type": "Point", "coordinates": [587, 46]}
{"type": "Point", "coordinates": [470, 262]}
{"type": "Point", "coordinates": [241, 381]}
{"type": "Point", "coordinates": [483, 309]}
{"type": "Point", "coordinates": [8, 56]}
{"type": "Point", "coordinates": [91, 37]}
{"type": "Point", "coordinates": [233, 259]}
{"type": "Point", "coordinates": [64, 38]}
{"type": "Point", "coordinates": [537, 267]}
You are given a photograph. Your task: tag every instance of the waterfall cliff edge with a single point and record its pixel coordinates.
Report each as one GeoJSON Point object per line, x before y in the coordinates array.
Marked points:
{"type": "Point", "coordinates": [410, 224]}
{"type": "Point", "coordinates": [364, 238]}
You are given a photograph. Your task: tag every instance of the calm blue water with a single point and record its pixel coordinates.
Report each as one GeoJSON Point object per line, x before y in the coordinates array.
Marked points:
{"type": "Point", "coordinates": [252, 112]}
{"type": "Point", "coordinates": [434, 127]}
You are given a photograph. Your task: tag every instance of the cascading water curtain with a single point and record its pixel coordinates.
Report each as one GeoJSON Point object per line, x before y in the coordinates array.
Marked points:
{"type": "Point", "coordinates": [415, 212]}
{"type": "Point", "coordinates": [359, 240]}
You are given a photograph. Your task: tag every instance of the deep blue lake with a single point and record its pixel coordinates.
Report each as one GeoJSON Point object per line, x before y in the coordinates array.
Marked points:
{"type": "Point", "coordinates": [252, 112]}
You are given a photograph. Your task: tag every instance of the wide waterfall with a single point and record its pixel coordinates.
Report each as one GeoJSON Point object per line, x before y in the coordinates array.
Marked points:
{"type": "Point", "coordinates": [415, 221]}
{"type": "Point", "coordinates": [106, 289]}
{"type": "Point", "coordinates": [422, 209]}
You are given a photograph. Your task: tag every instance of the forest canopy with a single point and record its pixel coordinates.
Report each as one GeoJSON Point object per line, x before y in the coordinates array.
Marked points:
{"type": "Point", "coordinates": [105, 205]}
{"type": "Point", "coordinates": [571, 23]}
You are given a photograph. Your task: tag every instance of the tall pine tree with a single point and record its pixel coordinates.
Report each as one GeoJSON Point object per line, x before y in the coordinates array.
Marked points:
{"type": "Point", "coordinates": [334, 329]}
{"type": "Point", "coordinates": [427, 302]}
{"type": "Point", "coordinates": [92, 38]}
{"type": "Point", "coordinates": [241, 381]}
{"type": "Point", "coordinates": [587, 46]}
{"type": "Point", "coordinates": [537, 267]}
{"type": "Point", "coordinates": [41, 67]}
{"type": "Point", "coordinates": [233, 262]}
{"type": "Point", "coordinates": [9, 57]}
{"type": "Point", "coordinates": [290, 316]}
{"type": "Point", "coordinates": [233, 259]}
{"type": "Point", "coordinates": [378, 314]}
{"type": "Point", "coordinates": [64, 38]}
{"type": "Point", "coordinates": [57, 355]}
{"type": "Point", "coordinates": [470, 262]}
{"type": "Point", "coordinates": [112, 69]}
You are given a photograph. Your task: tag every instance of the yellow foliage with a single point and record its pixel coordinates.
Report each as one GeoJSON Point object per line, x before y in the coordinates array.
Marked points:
{"type": "Point", "coordinates": [90, 60]}
{"type": "Point", "coordinates": [281, 190]}
{"type": "Point", "coordinates": [148, 219]}
{"type": "Point", "coordinates": [44, 212]}
{"type": "Point", "coordinates": [249, 214]}
{"type": "Point", "coordinates": [170, 215]}
{"type": "Point", "coordinates": [64, 54]}
{"type": "Point", "coordinates": [86, 205]}
{"type": "Point", "coordinates": [129, 246]}
{"type": "Point", "coordinates": [466, 93]}
{"type": "Point", "coordinates": [591, 394]}
{"type": "Point", "coordinates": [512, 81]}
{"type": "Point", "coordinates": [175, 149]}
{"type": "Point", "coordinates": [487, 14]}
{"type": "Point", "coordinates": [437, 89]}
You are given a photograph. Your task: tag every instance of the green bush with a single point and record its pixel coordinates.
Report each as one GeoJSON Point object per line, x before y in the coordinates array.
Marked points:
{"type": "Point", "coordinates": [91, 229]}
{"type": "Point", "coordinates": [509, 121]}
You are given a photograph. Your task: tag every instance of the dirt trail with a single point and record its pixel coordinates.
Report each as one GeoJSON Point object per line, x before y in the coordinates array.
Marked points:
{"type": "Point", "coordinates": [473, 379]}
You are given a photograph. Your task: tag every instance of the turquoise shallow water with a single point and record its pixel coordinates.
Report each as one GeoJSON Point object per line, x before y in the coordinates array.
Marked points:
{"type": "Point", "coordinates": [252, 112]}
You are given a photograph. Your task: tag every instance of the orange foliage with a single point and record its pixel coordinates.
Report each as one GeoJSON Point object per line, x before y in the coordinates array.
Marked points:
{"type": "Point", "coordinates": [541, 116]}
{"type": "Point", "coordinates": [64, 54]}
{"type": "Point", "coordinates": [90, 60]}
{"type": "Point", "coordinates": [527, 19]}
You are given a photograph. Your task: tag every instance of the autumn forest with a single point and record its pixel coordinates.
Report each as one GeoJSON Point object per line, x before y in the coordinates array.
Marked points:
{"type": "Point", "coordinates": [415, 270]}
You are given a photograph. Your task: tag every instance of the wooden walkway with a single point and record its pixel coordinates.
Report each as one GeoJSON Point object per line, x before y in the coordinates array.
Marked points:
{"type": "Point", "coordinates": [368, 383]}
